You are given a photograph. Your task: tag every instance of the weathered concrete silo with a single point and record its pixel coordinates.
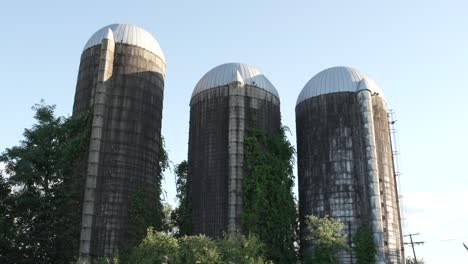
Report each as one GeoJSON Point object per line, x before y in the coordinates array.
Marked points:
{"type": "Point", "coordinates": [121, 79]}
{"type": "Point", "coordinates": [228, 101]}
{"type": "Point", "coordinates": [345, 161]}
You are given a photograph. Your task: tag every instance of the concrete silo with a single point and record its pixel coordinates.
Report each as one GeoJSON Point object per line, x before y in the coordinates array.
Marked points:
{"type": "Point", "coordinates": [345, 160]}
{"type": "Point", "coordinates": [227, 101]}
{"type": "Point", "coordinates": [121, 80]}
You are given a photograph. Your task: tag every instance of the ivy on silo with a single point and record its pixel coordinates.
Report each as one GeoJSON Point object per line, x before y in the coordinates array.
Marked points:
{"type": "Point", "coordinates": [269, 209]}
{"type": "Point", "coordinates": [146, 208]}
{"type": "Point", "coordinates": [364, 246]}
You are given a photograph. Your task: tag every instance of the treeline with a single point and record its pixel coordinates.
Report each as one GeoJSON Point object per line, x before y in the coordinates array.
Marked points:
{"type": "Point", "coordinates": [41, 188]}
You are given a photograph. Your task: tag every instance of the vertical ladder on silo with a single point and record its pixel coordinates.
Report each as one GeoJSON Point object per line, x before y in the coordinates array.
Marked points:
{"type": "Point", "coordinates": [397, 173]}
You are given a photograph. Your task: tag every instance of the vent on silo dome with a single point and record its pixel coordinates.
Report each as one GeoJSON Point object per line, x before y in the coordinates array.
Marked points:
{"type": "Point", "coordinates": [337, 79]}
{"type": "Point", "coordinates": [127, 34]}
{"type": "Point", "coordinates": [225, 74]}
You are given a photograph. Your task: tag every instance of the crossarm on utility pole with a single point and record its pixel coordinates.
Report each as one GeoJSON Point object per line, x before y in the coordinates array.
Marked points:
{"type": "Point", "coordinates": [412, 245]}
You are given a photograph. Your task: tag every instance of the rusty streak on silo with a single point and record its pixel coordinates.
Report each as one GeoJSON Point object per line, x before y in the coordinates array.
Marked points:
{"type": "Point", "coordinates": [345, 163]}
{"type": "Point", "coordinates": [121, 80]}
{"type": "Point", "coordinates": [226, 103]}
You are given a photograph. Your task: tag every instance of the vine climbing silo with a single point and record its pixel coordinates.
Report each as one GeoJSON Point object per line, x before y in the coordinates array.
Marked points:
{"type": "Point", "coordinates": [345, 162]}
{"type": "Point", "coordinates": [227, 101]}
{"type": "Point", "coordinates": [121, 81]}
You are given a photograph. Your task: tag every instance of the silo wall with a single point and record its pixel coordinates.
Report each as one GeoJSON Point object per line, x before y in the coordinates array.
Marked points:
{"type": "Point", "coordinates": [124, 145]}
{"type": "Point", "coordinates": [328, 159]}
{"type": "Point", "coordinates": [393, 242]}
{"type": "Point", "coordinates": [220, 118]}
{"type": "Point", "coordinates": [333, 168]}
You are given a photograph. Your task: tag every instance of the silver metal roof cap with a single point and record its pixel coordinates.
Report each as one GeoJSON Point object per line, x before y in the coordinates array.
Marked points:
{"type": "Point", "coordinates": [338, 79]}
{"type": "Point", "coordinates": [128, 34]}
{"type": "Point", "coordinates": [225, 74]}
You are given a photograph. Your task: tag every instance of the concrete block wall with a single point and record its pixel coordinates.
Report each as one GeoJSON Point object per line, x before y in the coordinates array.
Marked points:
{"type": "Point", "coordinates": [207, 161]}
{"type": "Point", "coordinates": [87, 79]}
{"type": "Point", "coordinates": [326, 143]}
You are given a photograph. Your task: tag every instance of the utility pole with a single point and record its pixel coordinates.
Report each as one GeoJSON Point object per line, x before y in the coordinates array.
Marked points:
{"type": "Point", "coordinates": [412, 245]}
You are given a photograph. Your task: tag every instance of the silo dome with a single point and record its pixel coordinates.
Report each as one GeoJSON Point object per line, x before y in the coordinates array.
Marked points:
{"type": "Point", "coordinates": [127, 34]}
{"type": "Point", "coordinates": [337, 79]}
{"type": "Point", "coordinates": [225, 74]}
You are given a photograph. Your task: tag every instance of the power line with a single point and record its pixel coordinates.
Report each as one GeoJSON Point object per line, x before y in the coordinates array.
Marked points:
{"type": "Point", "coordinates": [448, 239]}
{"type": "Point", "coordinates": [443, 240]}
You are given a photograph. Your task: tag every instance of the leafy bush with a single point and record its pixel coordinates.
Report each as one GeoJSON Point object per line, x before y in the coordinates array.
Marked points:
{"type": "Point", "coordinates": [236, 248]}
{"type": "Point", "coordinates": [325, 235]}
{"type": "Point", "coordinates": [198, 249]}
{"type": "Point", "coordinates": [156, 247]}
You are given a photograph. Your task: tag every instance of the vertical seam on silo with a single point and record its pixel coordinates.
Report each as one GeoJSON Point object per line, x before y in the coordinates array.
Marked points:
{"type": "Point", "coordinates": [105, 72]}
{"type": "Point", "coordinates": [365, 105]}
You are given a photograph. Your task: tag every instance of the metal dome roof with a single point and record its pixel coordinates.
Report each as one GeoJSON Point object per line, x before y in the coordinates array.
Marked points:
{"type": "Point", "coordinates": [225, 74]}
{"type": "Point", "coordinates": [128, 34]}
{"type": "Point", "coordinates": [337, 79]}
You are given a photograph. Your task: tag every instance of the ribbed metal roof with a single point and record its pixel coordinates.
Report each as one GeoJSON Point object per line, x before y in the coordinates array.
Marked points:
{"type": "Point", "coordinates": [337, 79]}
{"type": "Point", "coordinates": [128, 34]}
{"type": "Point", "coordinates": [231, 72]}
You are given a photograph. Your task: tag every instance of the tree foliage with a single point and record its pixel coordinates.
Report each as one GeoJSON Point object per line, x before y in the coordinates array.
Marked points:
{"type": "Point", "coordinates": [198, 249]}
{"type": "Point", "coordinates": [326, 237]}
{"type": "Point", "coordinates": [182, 215]}
{"type": "Point", "coordinates": [42, 189]}
{"type": "Point", "coordinates": [156, 247]}
{"type": "Point", "coordinates": [238, 249]}
{"type": "Point", "coordinates": [270, 212]}
{"type": "Point", "coordinates": [364, 246]}
{"type": "Point", "coordinates": [160, 247]}
{"type": "Point", "coordinates": [7, 234]}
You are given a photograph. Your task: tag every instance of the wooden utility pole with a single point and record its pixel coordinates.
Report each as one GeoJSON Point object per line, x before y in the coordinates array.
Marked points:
{"type": "Point", "coordinates": [412, 245]}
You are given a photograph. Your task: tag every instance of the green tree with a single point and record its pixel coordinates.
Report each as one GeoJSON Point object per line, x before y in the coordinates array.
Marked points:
{"type": "Point", "coordinates": [326, 238]}
{"type": "Point", "coordinates": [198, 249]}
{"type": "Point", "coordinates": [182, 215]}
{"type": "Point", "coordinates": [364, 247]}
{"type": "Point", "coordinates": [156, 247]}
{"type": "Point", "coordinates": [45, 201]}
{"type": "Point", "coordinates": [7, 234]}
{"type": "Point", "coordinates": [270, 212]}
{"type": "Point", "coordinates": [167, 223]}
{"type": "Point", "coordinates": [238, 249]}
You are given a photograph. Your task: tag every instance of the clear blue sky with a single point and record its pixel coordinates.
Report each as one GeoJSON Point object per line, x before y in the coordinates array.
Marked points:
{"type": "Point", "coordinates": [417, 51]}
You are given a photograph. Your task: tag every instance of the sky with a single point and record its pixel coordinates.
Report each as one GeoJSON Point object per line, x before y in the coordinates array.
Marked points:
{"type": "Point", "coordinates": [416, 51]}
